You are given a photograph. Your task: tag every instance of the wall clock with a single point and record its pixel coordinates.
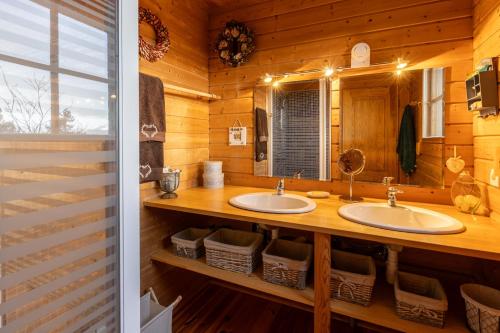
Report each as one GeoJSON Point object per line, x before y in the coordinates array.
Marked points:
{"type": "Point", "coordinates": [360, 55]}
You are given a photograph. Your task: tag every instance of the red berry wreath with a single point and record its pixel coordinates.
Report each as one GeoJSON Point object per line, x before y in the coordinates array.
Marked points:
{"type": "Point", "coordinates": [155, 52]}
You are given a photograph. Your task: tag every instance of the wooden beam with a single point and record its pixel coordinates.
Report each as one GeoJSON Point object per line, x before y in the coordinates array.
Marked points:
{"type": "Point", "coordinates": [322, 267]}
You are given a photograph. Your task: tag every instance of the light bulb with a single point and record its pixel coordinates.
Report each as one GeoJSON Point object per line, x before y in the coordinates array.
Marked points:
{"type": "Point", "coordinates": [401, 64]}
{"type": "Point", "coordinates": [329, 71]}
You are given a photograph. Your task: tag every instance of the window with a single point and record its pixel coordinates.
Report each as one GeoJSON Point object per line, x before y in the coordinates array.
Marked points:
{"type": "Point", "coordinates": [59, 172]}
{"type": "Point", "coordinates": [55, 70]}
{"type": "Point", "coordinates": [433, 103]}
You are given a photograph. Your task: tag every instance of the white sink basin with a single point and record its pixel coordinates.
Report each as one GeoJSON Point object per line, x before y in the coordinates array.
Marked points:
{"type": "Point", "coordinates": [401, 218]}
{"type": "Point", "coordinates": [268, 202]}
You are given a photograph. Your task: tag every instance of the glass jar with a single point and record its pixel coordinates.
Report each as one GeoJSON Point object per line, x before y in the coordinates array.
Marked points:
{"type": "Point", "coordinates": [465, 193]}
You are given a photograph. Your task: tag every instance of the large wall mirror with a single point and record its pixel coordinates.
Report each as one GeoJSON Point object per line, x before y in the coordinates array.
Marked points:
{"type": "Point", "coordinates": [395, 118]}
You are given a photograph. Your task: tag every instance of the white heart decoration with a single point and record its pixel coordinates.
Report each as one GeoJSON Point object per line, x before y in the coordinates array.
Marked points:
{"type": "Point", "coordinates": [455, 164]}
{"type": "Point", "coordinates": [145, 170]}
{"type": "Point", "coordinates": [145, 129]}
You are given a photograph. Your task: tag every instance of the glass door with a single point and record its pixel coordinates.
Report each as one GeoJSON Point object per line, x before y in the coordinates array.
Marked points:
{"type": "Point", "coordinates": [59, 174]}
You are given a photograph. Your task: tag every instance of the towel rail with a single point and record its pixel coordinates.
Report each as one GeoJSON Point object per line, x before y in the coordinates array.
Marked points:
{"type": "Point", "coordinates": [173, 89]}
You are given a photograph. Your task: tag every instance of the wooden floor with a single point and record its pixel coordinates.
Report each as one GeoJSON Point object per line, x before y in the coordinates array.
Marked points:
{"type": "Point", "coordinates": [216, 309]}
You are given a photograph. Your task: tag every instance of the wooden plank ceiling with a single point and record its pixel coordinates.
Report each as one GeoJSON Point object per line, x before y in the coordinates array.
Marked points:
{"type": "Point", "coordinates": [216, 6]}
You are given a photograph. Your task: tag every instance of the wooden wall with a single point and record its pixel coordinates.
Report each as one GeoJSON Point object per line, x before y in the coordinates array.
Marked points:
{"type": "Point", "coordinates": [297, 35]}
{"type": "Point", "coordinates": [487, 131]}
{"type": "Point", "coordinates": [184, 65]}
{"type": "Point", "coordinates": [186, 145]}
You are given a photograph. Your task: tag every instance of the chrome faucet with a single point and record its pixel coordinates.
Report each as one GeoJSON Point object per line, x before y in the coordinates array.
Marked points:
{"type": "Point", "coordinates": [280, 189]}
{"type": "Point", "coordinates": [392, 191]}
{"type": "Point", "coordinates": [387, 181]}
{"type": "Point", "coordinates": [298, 174]}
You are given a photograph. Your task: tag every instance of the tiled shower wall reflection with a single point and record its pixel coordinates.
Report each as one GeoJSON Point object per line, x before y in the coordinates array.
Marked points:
{"type": "Point", "coordinates": [296, 134]}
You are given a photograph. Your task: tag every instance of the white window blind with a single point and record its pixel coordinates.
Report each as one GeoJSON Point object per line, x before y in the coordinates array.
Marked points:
{"type": "Point", "coordinates": [433, 103]}
{"type": "Point", "coordinates": [58, 166]}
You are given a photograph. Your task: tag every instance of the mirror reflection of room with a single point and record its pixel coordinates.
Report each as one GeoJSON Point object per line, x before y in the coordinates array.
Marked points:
{"type": "Point", "coordinates": [396, 118]}
{"type": "Point", "coordinates": [407, 109]}
{"type": "Point", "coordinates": [293, 130]}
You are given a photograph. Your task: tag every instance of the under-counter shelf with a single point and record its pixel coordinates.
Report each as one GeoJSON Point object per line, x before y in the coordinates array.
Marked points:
{"type": "Point", "coordinates": [252, 281]}
{"type": "Point", "coordinates": [381, 311]}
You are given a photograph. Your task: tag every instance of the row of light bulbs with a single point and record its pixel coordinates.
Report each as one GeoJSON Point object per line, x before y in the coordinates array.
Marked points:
{"type": "Point", "coordinates": [401, 64]}
{"type": "Point", "coordinates": [269, 78]}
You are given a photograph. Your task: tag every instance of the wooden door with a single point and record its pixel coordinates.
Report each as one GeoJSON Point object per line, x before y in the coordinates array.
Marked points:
{"type": "Point", "coordinates": [369, 123]}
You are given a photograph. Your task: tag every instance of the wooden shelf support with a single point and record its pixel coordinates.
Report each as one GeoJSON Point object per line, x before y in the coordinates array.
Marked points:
{"type": "Point", "coordinates": [322, 268]}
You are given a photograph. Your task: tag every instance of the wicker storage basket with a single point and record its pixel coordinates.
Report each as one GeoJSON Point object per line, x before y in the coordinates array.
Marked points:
{"type": "Point", "coordinates": [352, 277]}
{"type": "Point", "coordinates": [189, 242]}
{"type": "Point", "coordinates": [234, 250]}
{"type": "Point", "coordinates": [286, 263]}
{"type": "Point", "coordinates": [420, 298]}
{"type": "Point", "coordinates": [482, 306]}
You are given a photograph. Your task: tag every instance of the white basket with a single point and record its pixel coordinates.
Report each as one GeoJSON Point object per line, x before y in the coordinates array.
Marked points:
{"type": "Point", "coordinates": [189, 242]}
{"type": "Point", "coordinates": [482, 306]}
{"type": "Point", "coordinates": [155, 318]}
{"type": "Point", "coordinates": [286, 263]}
{"type": "Point", "coordinates": [233, 250]}
{"type": "Point", "coordinates": [420, 298]}
{"type": "Point", "coordinates": [352, 277]}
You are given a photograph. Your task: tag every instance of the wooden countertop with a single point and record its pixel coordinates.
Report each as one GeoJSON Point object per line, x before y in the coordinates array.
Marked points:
{"type": "Point", "coordinates": [481, 239]}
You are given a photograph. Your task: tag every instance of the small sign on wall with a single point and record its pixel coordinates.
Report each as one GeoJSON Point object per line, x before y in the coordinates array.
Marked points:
{"type": "Point", "coordinates": [237, 134]}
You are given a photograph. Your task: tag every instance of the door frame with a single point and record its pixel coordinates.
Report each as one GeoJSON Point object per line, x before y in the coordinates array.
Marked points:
{"type": "Point", "coordinates": [128, 150]}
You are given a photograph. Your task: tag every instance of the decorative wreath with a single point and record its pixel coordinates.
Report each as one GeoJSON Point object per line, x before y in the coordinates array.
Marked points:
{"type": "Point", "coordinates": [235, 44]}
{"type": "Point", "coordinates": [155, 52]}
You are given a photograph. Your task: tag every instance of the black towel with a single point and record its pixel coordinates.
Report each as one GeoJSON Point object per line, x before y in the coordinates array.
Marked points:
{"type": "Point", "coordinates": [261, 134]}
{"type": "Point", "coordinates": [151, 161]}
{"type": "Point", "coordinates": [151, 109]}
{"type": "Point", "coordinates": [407, 143]}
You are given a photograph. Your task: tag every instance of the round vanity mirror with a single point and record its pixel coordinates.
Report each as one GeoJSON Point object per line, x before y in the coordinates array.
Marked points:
{"type": "Point", "coordinates": [351, 162]}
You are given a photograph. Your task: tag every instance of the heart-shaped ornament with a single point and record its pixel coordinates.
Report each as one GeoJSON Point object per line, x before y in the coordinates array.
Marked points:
{"type": "Point", "coordinates": [455, 164]}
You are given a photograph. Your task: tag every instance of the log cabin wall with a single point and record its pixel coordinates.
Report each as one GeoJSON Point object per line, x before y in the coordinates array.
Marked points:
{"type": "Point", "coordinates": [487, 131]}
{"type": "Point", "coordinates": [297, 35]}
{"type": "Point", "coordinates": [186, 143]}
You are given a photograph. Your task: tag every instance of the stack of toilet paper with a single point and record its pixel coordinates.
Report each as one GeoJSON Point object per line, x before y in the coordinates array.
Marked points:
{"type": "Point", "coordinates": [212, 174]}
